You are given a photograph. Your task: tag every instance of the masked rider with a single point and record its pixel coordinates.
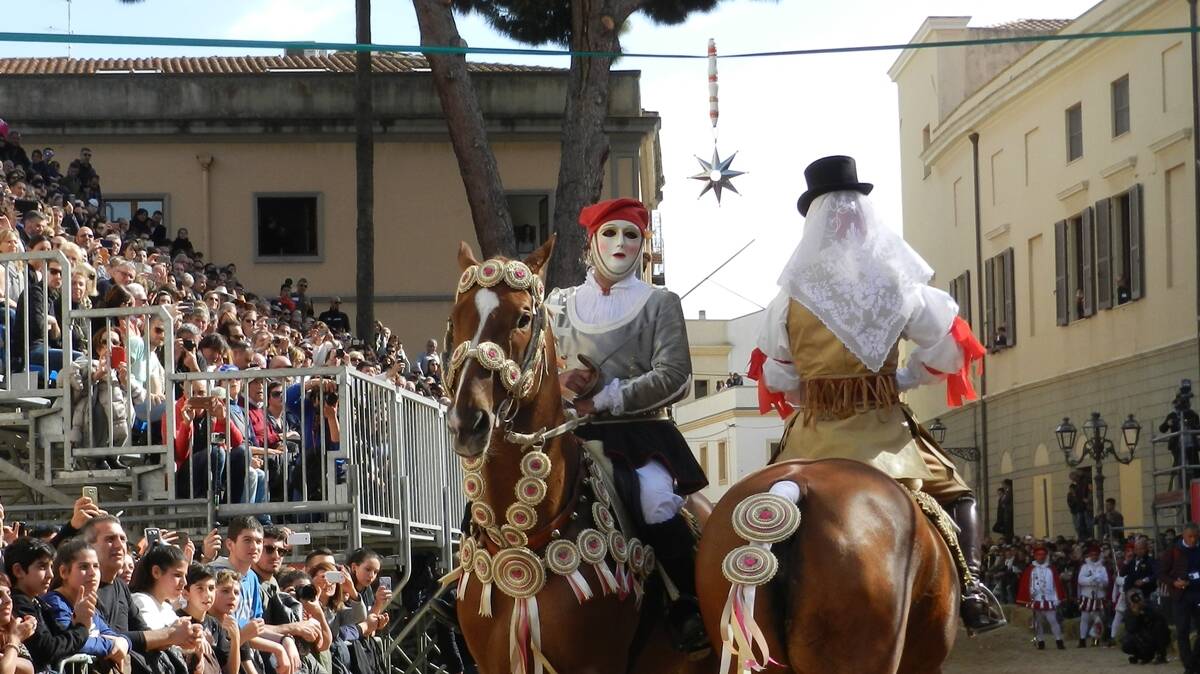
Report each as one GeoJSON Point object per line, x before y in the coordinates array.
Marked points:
{"type": "Point", "coordinates": [830, 345]}
{"type": "Point", "coordinates": [626, 351]}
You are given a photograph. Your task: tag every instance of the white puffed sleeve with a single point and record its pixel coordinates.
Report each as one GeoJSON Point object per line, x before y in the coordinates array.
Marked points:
{"type": "Point", "coordinates": [929, 326]}
{"type": "Point", "coordinates": [779, 373]}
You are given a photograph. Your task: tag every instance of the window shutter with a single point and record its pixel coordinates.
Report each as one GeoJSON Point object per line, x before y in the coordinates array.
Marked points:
{"type": "Point", "coordinates": [1086, 253]}
{"type": "Point", "coordinates": [989, 309]}
{"type": "Point", "coordinates": [1104, 239]}
{"type": "Point", "coordinates": [1137, 277]}
{"type": "Point", "coordinates": [1010, 298]}
{"type": "Point", "coordinates": [954, 293]}
{"type": "Point", "coordinates": [1062, 302]}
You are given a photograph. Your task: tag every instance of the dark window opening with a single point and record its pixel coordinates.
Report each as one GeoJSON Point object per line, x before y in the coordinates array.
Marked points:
{"type": "Point", "coordinates": [701, 387]}
{"type": "Point", "coordinates": [1074, 132]}
{"type": "Point", "coordinates": [531, 220]}
{"type": "Point", "coordinates": [288, 227]}
{"type": "Point", "coordinates": [1120, 106]}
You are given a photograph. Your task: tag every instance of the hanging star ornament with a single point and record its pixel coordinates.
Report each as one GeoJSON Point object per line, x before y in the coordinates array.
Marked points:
{"type": "Point", "coordinates": [717, 175]}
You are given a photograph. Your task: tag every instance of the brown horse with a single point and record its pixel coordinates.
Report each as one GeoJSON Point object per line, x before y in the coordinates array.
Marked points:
{"type": "Point", "coordinates": [865, 584]}
{"type": "Point", "coordinates": [604, 634]}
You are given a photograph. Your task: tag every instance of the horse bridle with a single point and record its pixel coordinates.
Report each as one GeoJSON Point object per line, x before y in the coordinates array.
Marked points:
{"type": "Point", "coordinates": [518, 380]}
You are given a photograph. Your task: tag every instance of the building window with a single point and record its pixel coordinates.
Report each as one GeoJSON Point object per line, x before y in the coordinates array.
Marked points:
{"type": "Point", "coordinates": [722, 463]}
{"type": "Point", "coordinates": [1120, 106]}
{"type": "Point", "coordinates": [960, 290]}
{"type": "Point", "coordinates": [704, 460]}
{"type": "Point", "coordinates": [118, 207]}
{"type": "Point", "coordinates": [530, 218]}
{"type": "Point", "coordinates": [1119, 250]}
{"type": "Point", "coordinates": [1000, 294]}
{"type": "Point", "coordinates": [1074, 132]}
{"type": "Point", "coordinates": [1074, 268]}
{"type": "Point", "coordinates": [289, 225]}
{"type": "Point", "coordinates": [701, 386]}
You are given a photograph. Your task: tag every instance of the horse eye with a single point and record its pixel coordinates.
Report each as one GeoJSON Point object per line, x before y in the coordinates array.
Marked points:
{"type": "Point", "coordinates": [523, 322]}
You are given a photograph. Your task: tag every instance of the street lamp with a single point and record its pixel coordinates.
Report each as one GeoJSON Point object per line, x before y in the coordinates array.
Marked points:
{"type": "Point", "coordinates": [938, 431]}
{"type": "Point", "coordinates": [1096, 446]}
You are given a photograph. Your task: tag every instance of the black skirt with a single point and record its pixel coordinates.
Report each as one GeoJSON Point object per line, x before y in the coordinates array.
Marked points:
{"type": "Point", "coordinates": [636, 443]}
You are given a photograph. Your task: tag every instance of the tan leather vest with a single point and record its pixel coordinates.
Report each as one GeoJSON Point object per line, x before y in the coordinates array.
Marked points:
{"type": "Point", "coordinates": [837, 385]}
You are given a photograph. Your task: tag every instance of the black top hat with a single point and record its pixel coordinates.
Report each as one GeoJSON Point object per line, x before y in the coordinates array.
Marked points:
{"type": "Point", "coordinates": [830, 174]}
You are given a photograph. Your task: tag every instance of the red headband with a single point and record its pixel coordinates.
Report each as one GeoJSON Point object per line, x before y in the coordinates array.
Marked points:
{"type": "Point", "coordinates": [631, 210]}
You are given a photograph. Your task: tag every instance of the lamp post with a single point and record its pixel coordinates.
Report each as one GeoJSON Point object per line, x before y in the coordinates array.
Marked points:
{"type": "Point", "coordinates": [938, 430]}
{"type": "Point", "coordinates": [1096, 446]}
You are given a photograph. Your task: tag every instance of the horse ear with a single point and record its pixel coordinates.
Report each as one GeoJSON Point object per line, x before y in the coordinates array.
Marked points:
{"type": "Point", "coordinates": [537, 259]}
{"type": "Point", "coordinates": [465, 257]}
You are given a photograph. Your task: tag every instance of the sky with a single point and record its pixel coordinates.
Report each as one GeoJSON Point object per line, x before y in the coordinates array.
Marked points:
{"type": "Point", "coordinates": [778, 114]}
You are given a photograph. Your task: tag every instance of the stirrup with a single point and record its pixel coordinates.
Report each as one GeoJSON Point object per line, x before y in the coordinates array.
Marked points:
{"type": "Point", "coordinates": [992, 616]}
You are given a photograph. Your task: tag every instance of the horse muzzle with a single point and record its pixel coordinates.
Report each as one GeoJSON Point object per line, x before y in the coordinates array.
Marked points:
{"type": "Point", "coordinates": [470, 432]}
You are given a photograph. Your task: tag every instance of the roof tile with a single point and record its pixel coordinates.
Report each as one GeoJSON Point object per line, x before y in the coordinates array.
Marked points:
{"type": "Point", "coordinates": [337, 62]}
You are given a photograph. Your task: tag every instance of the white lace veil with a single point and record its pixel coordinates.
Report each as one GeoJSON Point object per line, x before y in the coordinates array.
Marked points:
{"type": "Point", "coordinates": [855, 274]}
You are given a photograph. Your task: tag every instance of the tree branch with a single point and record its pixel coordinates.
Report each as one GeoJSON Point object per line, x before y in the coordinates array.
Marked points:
{"type": "Point", "coordinates": [468, 135]}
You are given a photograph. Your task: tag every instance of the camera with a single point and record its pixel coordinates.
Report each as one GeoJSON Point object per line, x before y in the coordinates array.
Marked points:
{"type": "Point", "coordinates": [1193, 576]}
{"type": "Point", "coordinates": [331, 399]}
{"type": "Point", "coordinates": [189, 345]}
{"type": "Point", "coordinates": [306, 592]}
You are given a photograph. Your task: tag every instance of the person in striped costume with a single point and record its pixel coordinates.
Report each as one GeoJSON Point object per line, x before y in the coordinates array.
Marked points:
{"type": "Point", "coordinates": [1093, 591]}
{"type": "Point", "coordinates": [1041, 591]}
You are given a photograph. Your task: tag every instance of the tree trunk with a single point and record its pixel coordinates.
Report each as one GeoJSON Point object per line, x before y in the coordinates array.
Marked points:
{"type": "Point", "coordinates": [364, 168]}
{"type": "Point", "coordinates": [468, 135]}
{"type": "Point", "coordinates": [595, 28]}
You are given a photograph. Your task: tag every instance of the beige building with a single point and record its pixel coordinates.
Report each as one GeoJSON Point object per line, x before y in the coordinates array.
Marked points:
{"type": "Point", "coordinates": [722, 425]}
{"type": "Point", "coordinates": [255, 156]}
{"type": "Point", "coordinates": [1085, 197]}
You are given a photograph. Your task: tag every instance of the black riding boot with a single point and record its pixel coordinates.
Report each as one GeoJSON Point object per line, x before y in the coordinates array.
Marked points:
{"type": "Point", "coordinates": [979, 610]}
{"type": "Point", "coordinates": [674, 546]}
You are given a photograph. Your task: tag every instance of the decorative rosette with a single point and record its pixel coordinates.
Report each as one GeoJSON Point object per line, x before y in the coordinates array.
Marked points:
{"type": "Point", "coordinates": [596, 471]}
{"type": "Point", "coordinates": [563, 559]}
{"type": "Point", "coordinates": [481, 564]}
{"type": "Point", "coordinates": [535, 464]}
{"type": "Point", "coordinates": [472, 464]}
{"type": "Point", "coordinates": [460, 355]}
{"type": "Point", "coordinates": [468, 278]}
{"type": "Point", "coordinates": [518, 572]}
{"type": "Point", "coordinates": [490, 355]}
{"type": "Point", "coordinates": [530, 490]}
{"type": "Point", "coordinates": [494, 534]}
{"type": "Point", "coordinates": [593, 548]}
{"type": "Point", "coordinates": [637, 567]}
{"type": "Point", "coordinates": [466, 555]}
{"type": "Point", "coordinates": [603, 517]}
{"type": "Point", "coordinates": [513, 537]}
{"type": "Point", "coordinates": [749, 565]}
{"type": "Point", "coordinates": [482, 514]}
{"type": "Point", "coordinates": [472, 485]}
{"type": "Point", "coordinates": [601, 491]}
{"type": "Point", "coordinates": [618, 547]}
{"type": "Point", "coordinates": [538, 289]}
{"type": "Point", "coordinates": [765, 518]}
{"type": "Point", "coordinates": [651, 562]}
{"type": "Point", "coordinates": [522, 517]}
{"type": "Point", "coordinates": [490, 273]}
{"type": "Point", "coordinates": [517, 275]}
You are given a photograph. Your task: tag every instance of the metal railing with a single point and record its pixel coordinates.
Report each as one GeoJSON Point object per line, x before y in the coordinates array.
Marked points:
{"type": "Point", "coordinates": [35, 303]}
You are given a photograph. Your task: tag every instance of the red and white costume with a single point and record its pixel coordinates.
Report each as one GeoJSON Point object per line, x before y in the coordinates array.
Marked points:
{"type": "Point", "coordinates": [1093, 593]}
{"type": "Point", "coordinates": [1041, 590]}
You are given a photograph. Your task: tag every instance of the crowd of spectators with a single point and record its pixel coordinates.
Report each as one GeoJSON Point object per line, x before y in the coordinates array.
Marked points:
{"type": "Point", "coordinates": [225, 605]}
{"type": "Point", "coordinates": [249, 439]}
{"type": "Point", "coordinates": [1150, 586]}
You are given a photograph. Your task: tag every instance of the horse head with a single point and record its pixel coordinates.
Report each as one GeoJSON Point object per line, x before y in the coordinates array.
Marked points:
{"type": "Point", "coordinates": [501, 347]}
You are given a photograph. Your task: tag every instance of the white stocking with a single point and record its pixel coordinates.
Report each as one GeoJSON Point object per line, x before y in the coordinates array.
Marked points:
{"type": "Point", "coordinates": [1116, 626]}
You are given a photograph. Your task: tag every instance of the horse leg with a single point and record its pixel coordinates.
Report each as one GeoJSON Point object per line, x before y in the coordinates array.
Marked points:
{"type": "Point", "coordinates": [932, 624]}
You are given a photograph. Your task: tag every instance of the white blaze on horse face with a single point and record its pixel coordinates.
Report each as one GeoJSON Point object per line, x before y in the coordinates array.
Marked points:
{"type": "Point", "coordinates": [617, 249]}
{"type": "Point", "coordinates": [486, 301]}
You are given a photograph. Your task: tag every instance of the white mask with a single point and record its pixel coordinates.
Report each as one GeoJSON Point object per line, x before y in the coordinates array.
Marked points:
{"type": "Point", "coordinates": [616, 249]}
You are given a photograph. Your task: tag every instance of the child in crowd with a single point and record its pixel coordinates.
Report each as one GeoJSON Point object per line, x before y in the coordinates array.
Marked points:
{"type": "Point", "coordinates": [223, 642]}
{"type": "Point", "coordinates": [29, 563]}
{"type": "Point", "coordinates": [158, 583]}
{"type": "Point", "coordinates": [226, 600]}
{"type": "Point", "coordinates": [76, 581]}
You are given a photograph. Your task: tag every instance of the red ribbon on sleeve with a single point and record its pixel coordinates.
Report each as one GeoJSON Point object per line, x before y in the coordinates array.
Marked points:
{"type": "Point", "coordinates": [767, 400]}
{"type": "Point", "coordinates": [958, 383]}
